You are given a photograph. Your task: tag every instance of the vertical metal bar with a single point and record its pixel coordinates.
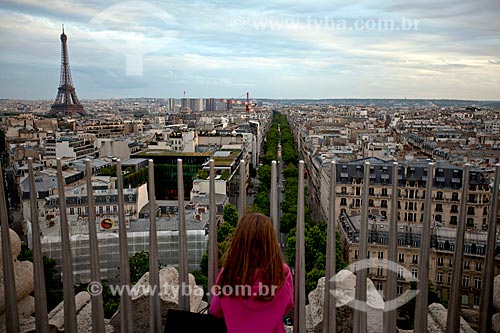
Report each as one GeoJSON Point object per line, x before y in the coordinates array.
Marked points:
{"type": "Point", "coordinates": [67, 266]}
{"type": "Point", "coordinates": [183, 264]}
{"type": "Point", "coordinates": [273, 207]}
{"type": "Point", "coordinates": [243, 190]}
{"type": "Point", "coordinates": [454, 302]}
{"type": "Point", "coordinates": [212, 234]}
{"type": "Point", "coordinates": [390, 316]}
{"type": "Point", "coordinates": [95, 267]}
{"type": "Point", "coordinates": [329, 307]}
{"type": "Point", "coordinates": [11, 314]}
{"type": "Point", "coordinates": [486, 305]}
{"type": "Point", "coordinates": [42, 318]}
{"type": "Point", "coordinates": [423, 268]}
{"type": "Point", "coordinates": [299, 324]}
{"type": "Point", "coordinates": [360, 320]}
{"type": "Point", "coordinates": [126, 323]}
{"type": "Point", "coordinates": [154, 275]}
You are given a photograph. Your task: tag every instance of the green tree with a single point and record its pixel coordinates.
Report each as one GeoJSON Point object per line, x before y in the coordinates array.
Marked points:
{"type": "Point", "coordinates": [265, 178]}
{"type": "Point", "coordinates": [111, 302]}
{"type": "Point", "coordinates": [224, 230]}
{"type": "Point", "coordinates": [230, 214]}
{"type": "Point", "coordinates": [139, 265]}
{"type": "Point", "coordinates": [111, 171]}
{"type": "Point", "coordinates": [225, 175]}
{"type": "Point", "coordinates": [261, 203]}
{"type": "Point", "coordinates": [202, 174]}
{"type": "Point", "coordinates": [53, 284]}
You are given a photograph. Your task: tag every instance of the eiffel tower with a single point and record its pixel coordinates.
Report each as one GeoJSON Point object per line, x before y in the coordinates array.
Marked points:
{"type": "Point", "coordinates": [66, 103]}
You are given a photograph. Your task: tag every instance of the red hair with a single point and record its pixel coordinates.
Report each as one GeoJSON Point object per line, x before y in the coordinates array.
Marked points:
{"type": "Point", "coordinates": [254, 255]}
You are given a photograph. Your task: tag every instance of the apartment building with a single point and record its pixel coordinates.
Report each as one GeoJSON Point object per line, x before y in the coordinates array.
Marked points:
{"type": "Point", "coordinates": [69, 148]}
{"type": "Point", "coordinates": [409, 238]}
{"type": "Point", "coordinates": [412, 178]}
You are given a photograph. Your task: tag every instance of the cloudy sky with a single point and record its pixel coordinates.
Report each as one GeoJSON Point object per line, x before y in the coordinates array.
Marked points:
{"type": "Point", "coordinates": [271, 48]}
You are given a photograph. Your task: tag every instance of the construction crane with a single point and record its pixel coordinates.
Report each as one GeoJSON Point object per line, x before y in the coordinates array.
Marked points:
{"type": "Point", "coordinates": [237, 101]}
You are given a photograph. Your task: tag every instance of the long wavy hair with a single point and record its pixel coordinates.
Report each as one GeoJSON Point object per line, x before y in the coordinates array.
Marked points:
{"type": "Point", "coordinates": [253, 256]}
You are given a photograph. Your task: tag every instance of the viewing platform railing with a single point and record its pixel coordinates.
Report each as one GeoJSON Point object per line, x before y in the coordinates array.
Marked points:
{"type": "Point", "coordinates": [329, 323]}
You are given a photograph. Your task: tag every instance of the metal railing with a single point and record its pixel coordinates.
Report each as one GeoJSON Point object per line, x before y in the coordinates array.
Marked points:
{"type": "Point", "coordinates": [329, 306]}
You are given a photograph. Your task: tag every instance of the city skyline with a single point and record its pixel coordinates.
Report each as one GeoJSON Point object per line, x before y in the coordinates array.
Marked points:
{"type": "Point", "coordinates": [428, 50]}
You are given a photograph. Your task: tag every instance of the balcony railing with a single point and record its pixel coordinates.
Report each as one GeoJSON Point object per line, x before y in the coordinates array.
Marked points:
{"type": "Point", "coordinates": [329, 322]}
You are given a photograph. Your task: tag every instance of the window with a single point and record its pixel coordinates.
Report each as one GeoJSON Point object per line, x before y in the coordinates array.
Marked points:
{"type": "Point", "coordinates": [356, 253]}
{"type": "Point", "coordinates": [470, 211]}
{"type": "Point", "coordinates": [440, 261]}
{"type": "Point", "coordinates": [449, 278]}
{"type": "Point", "coordinates": [343, 201]}
{"type": "Point", "coordinates": [465, 281]}
{"type": "Point", "coordinates": [383, 204]}
{"type": "Point", "coordinates": [371, 191]}
{"type": "Point", "coordinates": [438, 218]}
{"type": "Point", "coordinates": [465, 299]}
{"type": "Point", "coordinates": [467, 264]}
{"type": "Point", "coordinates": [477, 282]}
{"type": "Point", "coordinates": [478, 266]}
{"type": "Point", "coordinates": [453, 220]}
{"type": "Point", "coordinates": [381, 255]}
{"type": "Point", "coordinates": [450, 262]}
{"type": "Point", "coordinates": [439, 207]}
{"type": "Point", "coordinates": [401, 257]}
{"type": "Point", "coordinates": [439, 277]}
{"type": "Point", "coordinates": [343, 190]}
{"type": "Point", "coordinates": [454, 209]}
{"type": "Point", "coordinates": [414, 259]}
{"type": "Point", "coordinates": [439, 195]}
{"type": "Point", "coordinates": [384, 192]}
{"type": "Point", "coordinates": [370, 203]}
{"type": "Point", "coordinates": [400, 273]}
{"type": "Point", "coordinates": [71, 211]}
{"type": "Point", "coordinates": [414, 273]}
{"type": "Point", "coordinates": [379, 286]}
{"type": "Point", "coordinates": [400, 289]}
{"type": "Point", "coordinates": [368, 255]}
{"type": "Point", "coordinates": [454, 196]}
{"type": "Point", "coordinates": [380, 271]}
{"type": "Point", "coordinates": [476, 300]}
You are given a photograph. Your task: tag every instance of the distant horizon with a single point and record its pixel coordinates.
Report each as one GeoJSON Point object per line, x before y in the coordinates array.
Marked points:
{"type": "Point", "coordinates": [264, 98]}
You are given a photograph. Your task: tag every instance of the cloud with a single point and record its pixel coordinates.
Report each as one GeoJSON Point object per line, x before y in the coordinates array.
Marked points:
{"type": "Point", "coordinates": [203, 50]}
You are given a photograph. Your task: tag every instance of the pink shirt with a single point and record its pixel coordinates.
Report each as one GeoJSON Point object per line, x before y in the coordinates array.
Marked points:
{"type": "Point", "coordinates": [249, 315]}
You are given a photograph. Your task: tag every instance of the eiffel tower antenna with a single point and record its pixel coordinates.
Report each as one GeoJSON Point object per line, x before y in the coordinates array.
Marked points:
{"type": "Point", "coordinates": [66, 102]}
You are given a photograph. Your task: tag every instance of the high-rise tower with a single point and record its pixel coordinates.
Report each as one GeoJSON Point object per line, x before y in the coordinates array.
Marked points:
{"type": "Point", "coordinates": [66, 103]}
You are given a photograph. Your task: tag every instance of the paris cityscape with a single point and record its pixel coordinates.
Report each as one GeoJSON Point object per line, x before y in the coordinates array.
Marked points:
{"type": "Point", "coordinates": [370, 135]}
